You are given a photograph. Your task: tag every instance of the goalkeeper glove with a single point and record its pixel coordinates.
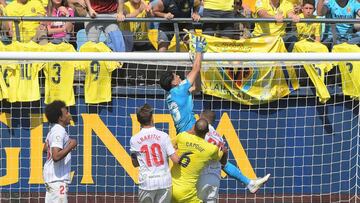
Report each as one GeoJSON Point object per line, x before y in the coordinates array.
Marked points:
{"type": "Point", "coordinates": [198, 44]}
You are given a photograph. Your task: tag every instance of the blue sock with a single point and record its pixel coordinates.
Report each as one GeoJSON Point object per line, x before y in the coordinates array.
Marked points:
{"type": "Point", "coordinates": [234, 172]}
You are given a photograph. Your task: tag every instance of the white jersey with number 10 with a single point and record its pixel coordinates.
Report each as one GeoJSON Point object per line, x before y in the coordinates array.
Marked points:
{"type": "Point", "coordinates": [153, 147]}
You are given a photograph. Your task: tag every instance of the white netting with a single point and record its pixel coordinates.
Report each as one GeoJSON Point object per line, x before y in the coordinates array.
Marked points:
{"type": "Point", "coordinates": [310, 148]}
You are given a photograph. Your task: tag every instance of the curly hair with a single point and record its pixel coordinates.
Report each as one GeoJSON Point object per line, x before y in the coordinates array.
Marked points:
{"type": "Point", "coordinates": [53, 111]}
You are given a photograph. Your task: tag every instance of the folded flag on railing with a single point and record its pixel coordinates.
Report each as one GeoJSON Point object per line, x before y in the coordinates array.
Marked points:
{"type": "Point", "coordinates": [350, 71]}
{"type": "Point", "coordinates": [248, 85]}
{"type": "Point", "coordinates": [315, 71]}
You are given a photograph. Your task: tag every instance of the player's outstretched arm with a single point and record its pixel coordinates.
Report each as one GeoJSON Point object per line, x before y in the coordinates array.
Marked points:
{"type": "Point", "coordinates": [200, 47]}
{"type": "Point", "coordinates": [183, 160]}
{"type": "Point", "coordinates": [58, 154]}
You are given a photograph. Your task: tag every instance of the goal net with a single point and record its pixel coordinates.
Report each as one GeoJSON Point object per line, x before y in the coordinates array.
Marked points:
{"type": "Point", "coordinates": [276, 120]}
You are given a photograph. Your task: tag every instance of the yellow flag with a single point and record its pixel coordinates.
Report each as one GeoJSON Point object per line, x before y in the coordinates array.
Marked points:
{"type": "Point", "coordinates": [248, 85]}
{"type": "Point", "coordinates": [350, 71]}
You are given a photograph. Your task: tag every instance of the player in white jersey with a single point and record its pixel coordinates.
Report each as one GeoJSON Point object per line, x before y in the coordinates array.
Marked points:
{"type": "Point", "coordinates": [209, 181]}
{"type": "Point", "coordinates": [150, 150]}
{"type": "Point", "coordinates": [58, 146]}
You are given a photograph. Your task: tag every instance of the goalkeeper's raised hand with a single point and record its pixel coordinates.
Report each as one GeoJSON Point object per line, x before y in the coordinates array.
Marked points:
{"type": "Point", "coordinates": [199, 44]}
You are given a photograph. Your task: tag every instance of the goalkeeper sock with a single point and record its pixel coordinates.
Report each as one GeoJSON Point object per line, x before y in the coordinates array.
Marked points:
{"type": "Point", "coordinates": [234, 172]}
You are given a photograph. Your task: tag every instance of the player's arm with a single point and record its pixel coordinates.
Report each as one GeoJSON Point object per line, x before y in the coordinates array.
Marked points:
{"type": "Point", "coordinates": [58, 153]}
{"type": "Point", "coordinates": [134, 160]}
{"type": "Point", "coordinates": [195, 68]}
{"type": "Point", "coordinates": [171, 146]}
{"type": "Point", "coordinates": [183, 160]}
{"type": "Point", "coordinates": [224, 157]}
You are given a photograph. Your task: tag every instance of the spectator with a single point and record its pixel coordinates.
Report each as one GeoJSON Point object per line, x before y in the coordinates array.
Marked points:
{"type": "Point", "coordinates": [339, 9]}
{"type": "Point", "coordinates": [278, 10]}
{"type": "Point", "coordinates": [170, 9]}
{"type": "Point", "coordinates": [242, 11]}
{"type": "Point", "coordinates": [3, 3]}
{"type": "Point", "coordinates": [60, 31]}
{"type": "Point", "coordinates": [27, 28]}
{"type": "Point", "coordinates": [219, 9]}
{"type": "Point", "coordinates": [136, 9]}
{"type": "Point", "coordinates": [3, 26]}
{"type": "Point", "coordinates": [308, 30]}
{"type": "Point", "coordinates": [80, 10]}
{"type": "Point", "coordinates": [108, 8]}
{"type": "Point", "coordinates": [44, 3]}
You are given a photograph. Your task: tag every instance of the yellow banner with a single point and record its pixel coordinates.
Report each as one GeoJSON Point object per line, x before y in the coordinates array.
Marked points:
{"type": "Point", "coordinates": [248, 85]}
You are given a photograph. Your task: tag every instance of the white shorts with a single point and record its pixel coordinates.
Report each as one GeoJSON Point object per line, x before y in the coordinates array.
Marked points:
{"type": "Point", "coordinates": [56, 192]}
{"type": "Point", "coordinates": [208, 187]}
{"type": "Point", "coordinates": [155, 196]}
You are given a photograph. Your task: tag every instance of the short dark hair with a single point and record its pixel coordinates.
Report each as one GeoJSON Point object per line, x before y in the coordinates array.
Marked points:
{"type": "Point", "coordinates": [311, 2]}
{"type": "Point", "coordinates": [53, 111]}
{"type": "Point", "coordinates": [144, 114]}
{"type": "Point", "coordinates": [166, 79]}
{"type": "Point", "coordinates": [209, 115]}
{"type": "Point", "coordinates": [201, 127]}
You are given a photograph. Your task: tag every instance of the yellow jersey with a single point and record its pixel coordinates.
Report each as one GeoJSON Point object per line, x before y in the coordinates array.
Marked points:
{"type": "Point", "coordinates": [271, 28]}
{"type": "Point", "coordinates": [4, 94]}
{"type": "Point", "coordinates": [350, 71]}
{"type": "Point", "coordinates": [23, 77]}
{"type": "Point", "coordinates": [43, 2]}
{"type": "Point", "coordinates": [316, 72]}
{"type": "Point", "coordinates": [184, 179]}
{"type": "Point", "coordinates": [8, 73]}
{"type": "Point", "coordinates": [27, 28]}
{"type": "Point", "coordinates": [3, 86]}
{"type": "Point", "coordinates": [224, 5]}
{"type": "Point", "coordinates": [139, 29]}
{"type": "Point", "coordinates": [98, 74]}
{"type": "Point", "coordinates": [59, 76]}
{"type": "Point", "coordinates": [308, 30]}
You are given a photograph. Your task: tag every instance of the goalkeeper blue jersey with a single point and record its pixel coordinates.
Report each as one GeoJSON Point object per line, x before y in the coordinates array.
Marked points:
{"type": "Point", "coordinates": [180, 104]}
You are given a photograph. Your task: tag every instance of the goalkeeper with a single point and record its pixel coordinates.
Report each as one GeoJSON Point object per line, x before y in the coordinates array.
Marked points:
{"type": "Point", "coordinates": [180, 102]}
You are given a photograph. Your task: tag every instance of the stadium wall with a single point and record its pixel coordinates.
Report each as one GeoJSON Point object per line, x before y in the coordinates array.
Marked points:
{"type": "Point", "coordinates": [309, 148]}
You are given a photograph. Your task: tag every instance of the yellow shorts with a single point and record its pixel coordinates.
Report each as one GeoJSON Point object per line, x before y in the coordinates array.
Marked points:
{"type": "Point", "coordinates": [184, 194]}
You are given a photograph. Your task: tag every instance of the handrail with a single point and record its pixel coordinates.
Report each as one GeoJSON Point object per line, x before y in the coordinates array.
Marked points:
{"type": "Point", "coordinates": [175, 20]}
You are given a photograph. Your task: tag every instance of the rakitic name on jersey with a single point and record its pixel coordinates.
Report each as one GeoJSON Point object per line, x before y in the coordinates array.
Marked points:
{"type": "Point", "coordinates": [148, 137]}
{"type": "Point", "coordinates": [196, 146]}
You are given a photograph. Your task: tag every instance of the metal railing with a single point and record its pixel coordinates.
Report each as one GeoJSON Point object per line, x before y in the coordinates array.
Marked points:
{"type": "Point", "coordinates": [175, 21]}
